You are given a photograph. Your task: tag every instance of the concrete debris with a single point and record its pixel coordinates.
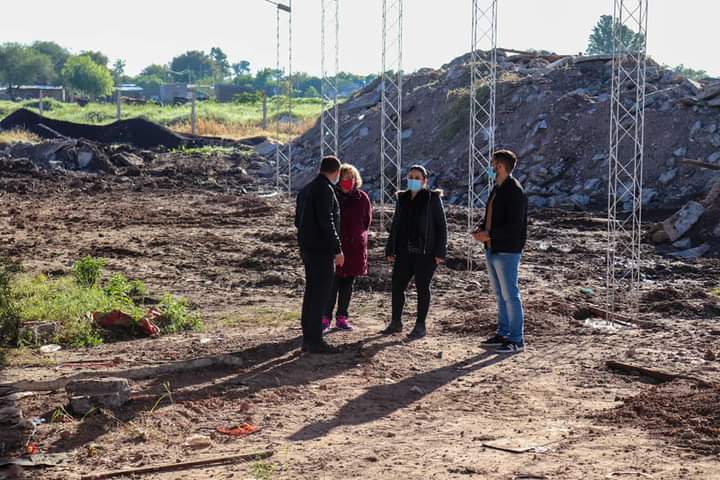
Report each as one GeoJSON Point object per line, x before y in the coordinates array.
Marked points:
{"type": "Point", "coordinates": [552, 110]}
{"type": "Point", "coordinates": [97, 393]}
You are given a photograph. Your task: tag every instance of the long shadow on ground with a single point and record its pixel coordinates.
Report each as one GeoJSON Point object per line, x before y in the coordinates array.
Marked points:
{"type": "Point", "coordinates": [381, 400]}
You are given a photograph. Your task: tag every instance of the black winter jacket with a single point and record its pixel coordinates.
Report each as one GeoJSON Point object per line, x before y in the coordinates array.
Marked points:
{"type": "Point", "coordinates": [317, 217]}
{"type": "Point", "coordinates": [508, 230]}
{"type": "Point", "coordinates": [431, 224]}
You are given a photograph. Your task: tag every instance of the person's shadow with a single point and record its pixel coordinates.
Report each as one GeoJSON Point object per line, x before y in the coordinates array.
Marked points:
{"type": "Point", "coordinates": [381, 400]}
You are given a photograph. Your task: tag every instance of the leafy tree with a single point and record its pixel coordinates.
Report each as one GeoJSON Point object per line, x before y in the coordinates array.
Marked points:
{"type": "Point", "coordinates": [97, 57]}
{"type": "Point", "coordinates": [222, 66]}
{"type": "Point", "coordinates": [312, 92]}
{"type": "Point", "coordinates": [241, 68]}
{"type": "Point", "coordinates": [118, 70]}
{"type": "Point", "coordinates": [22, 64]}
{"type": "Point", "coordinates": [690, 72]}
{"type": "Point", "coordinates": [155, 70]}
{"type": "Point", "coordinates": [266, 80]}
{"type": "Point", "coordinates": [82, 74]}
{"type": "Point", "coordinates": [58, 54]}
{"type": "Point", "coordinates": [194, 64]}
{"type": "Point", "coordinates": [601, 39]}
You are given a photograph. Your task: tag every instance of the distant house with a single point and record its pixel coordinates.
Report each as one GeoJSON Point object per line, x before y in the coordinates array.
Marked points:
{"type": "Point", "coordinates": [169, 92]}
{"type": "Point", "coordinates": [130, 90]}
{"type": "Point", "coordinates": [226, 93]}
{"type": "Point", "coordinates": [35, 91]}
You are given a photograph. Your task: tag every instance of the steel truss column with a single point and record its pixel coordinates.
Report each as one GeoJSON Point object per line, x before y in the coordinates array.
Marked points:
{"type": "Point", "coordinates": [284, 105]}
{"type": "Point", "coordinates": [483, 81]}
{"type": "Point", "coordinates": [627, 121]}
{"type": "Point", "coordinates": [330, 60]}
{"type": "Point", "coordinates": [391, 106]}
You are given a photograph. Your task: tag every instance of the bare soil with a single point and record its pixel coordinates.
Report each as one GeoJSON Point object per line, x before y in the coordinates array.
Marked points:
{"type": "Point", "coordinates": [385, 407]}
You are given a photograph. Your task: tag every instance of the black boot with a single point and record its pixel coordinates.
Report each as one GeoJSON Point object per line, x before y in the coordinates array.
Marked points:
{"type": "Point", "coordinates": [393, 327]}
{"type": "Point", "coordinates": [418, 332]}
{"type": "Point", "coordinates": [323, 348]}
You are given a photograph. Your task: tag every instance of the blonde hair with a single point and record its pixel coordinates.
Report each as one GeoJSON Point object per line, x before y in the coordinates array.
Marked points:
{"type": "Point", "coordinates": [347, 167]}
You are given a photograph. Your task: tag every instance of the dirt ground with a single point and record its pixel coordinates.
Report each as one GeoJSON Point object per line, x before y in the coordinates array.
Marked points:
{"type": "Point", "coordinates": [384, 408]}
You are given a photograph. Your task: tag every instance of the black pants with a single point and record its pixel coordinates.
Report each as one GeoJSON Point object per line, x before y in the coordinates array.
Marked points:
{"type": "Point", "coordinates": [422, 267]}
{"type": "Point", "coordinates": [319, 273]}
{"type": "Point", "coordinates": [342, 290]}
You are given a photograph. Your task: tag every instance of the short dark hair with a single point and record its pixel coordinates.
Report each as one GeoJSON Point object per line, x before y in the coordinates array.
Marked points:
{"type": "Point", "coordinates": [507, 158]}
{"type": "Point", "coordinates": [329, 164]}
{"type": "Point", "coordinates": [420, 169]}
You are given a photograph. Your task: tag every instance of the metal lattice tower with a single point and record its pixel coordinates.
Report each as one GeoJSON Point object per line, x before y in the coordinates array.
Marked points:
{"type": "Point", "coordinates": [627, 122]}
{"type": "Point", "coordinates": [283, 105]}
{"type": "Point", "coordinates": [483, 80]}
{"type": "Point", "coordinates": [391, 106]}
{"type": "Point", "coordinates": [330, 62]}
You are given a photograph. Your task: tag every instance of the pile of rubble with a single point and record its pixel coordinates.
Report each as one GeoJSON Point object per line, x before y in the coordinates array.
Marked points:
{"type": "Point", "coordinates": [72, 155]}
{"type": "Point", "coordinates": [694, 230]}
{"type": "Point", "coordinates": [554, 111]}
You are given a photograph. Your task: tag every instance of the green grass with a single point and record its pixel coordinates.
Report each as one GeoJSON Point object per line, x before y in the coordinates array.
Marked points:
{"type": "Point", "coordinates": [70, 300]}
{"type": "Point", "coordinates": [262, 470]}
{"type": "Point", "coordinates": [238, 116]}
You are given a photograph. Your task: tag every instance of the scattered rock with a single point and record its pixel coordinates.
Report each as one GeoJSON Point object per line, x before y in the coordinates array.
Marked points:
{"type": "Point", "coordinates": [692, 253]}
{"type": "Point", "coordinates": [677, 225]}
{"type": "Point", "coordinates": [103, 392]}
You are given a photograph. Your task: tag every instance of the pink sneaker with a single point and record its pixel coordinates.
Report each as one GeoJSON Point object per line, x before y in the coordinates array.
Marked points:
{"type": "Point", "coordinates": [325, 323]}
{"type": "Point", "coordinates": [342, 323]}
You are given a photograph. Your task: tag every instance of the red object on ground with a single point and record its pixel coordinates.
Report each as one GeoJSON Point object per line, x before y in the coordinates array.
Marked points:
{"type": "Point", "coordinates": [116, 319]}
{"type": "Point", "coordinates": [31, 448]}
{"type": "Point", "coordinates": [239, 431]}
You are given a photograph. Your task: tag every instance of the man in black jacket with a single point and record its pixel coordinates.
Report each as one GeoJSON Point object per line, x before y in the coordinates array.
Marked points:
{"type": "Point", "coordinates": [317, 218]}
{"type": "Point", "coordinates": [504, 232]}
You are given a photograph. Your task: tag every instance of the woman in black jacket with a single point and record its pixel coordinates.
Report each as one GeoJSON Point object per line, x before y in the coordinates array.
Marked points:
{"type": "Point", "coordinates": [416, 246]}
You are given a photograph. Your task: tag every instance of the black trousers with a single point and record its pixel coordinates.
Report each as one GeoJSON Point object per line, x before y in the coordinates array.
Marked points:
{"type": "Point", "coordinates": [319, 273]}
{"type": "Point", "coordinates": [407, 266]}
{"type": "Point", "coordinates": [342, 290]}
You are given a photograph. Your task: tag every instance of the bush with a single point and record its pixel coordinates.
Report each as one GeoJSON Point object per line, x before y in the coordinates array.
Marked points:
{"type": "Point", "coordinates": [88, 270]}
{"type": "Point", "coordinates": [9, 312]}
{"type": "Point", "coordinates": [178, 315]}
{"type": "Point", "coordinates": [247, 98]}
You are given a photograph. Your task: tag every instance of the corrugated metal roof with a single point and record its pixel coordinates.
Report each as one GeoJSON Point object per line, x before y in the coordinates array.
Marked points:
{"type": "Point", "coordinates": [39, 87]}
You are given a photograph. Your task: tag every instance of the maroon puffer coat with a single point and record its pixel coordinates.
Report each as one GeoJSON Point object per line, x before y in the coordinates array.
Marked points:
{"type": "Point", "coordinates": [355, 218]}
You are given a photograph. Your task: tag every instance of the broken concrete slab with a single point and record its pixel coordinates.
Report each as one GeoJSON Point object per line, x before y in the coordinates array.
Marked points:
{"type": "Point", "coordinates": [692, 253]}
{"type": "Point", "coordinates": [99, 392]}
{"type": "Point", "coordinates": [677, 225]}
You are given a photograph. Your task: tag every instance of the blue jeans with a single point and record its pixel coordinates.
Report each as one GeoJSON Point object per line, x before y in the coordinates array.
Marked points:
{"type": "Point", "coordinates": [503, 272]}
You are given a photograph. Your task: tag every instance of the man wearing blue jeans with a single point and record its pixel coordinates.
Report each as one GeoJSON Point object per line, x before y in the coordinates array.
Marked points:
{"type": "Point", "coordinates": [504, 232]}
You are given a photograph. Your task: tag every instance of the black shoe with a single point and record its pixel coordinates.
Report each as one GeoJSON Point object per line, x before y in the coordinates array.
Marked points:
{"type": "Point", "coordinates": [510, 347]}
{"type": "Point", "coordinates": [323, 348]}
{"type": "Point", "coordinates": [418, 332]}
{"type": "Point", "coordinates": [394, 327]}
{"type": "Point", "coordinates": [305, 347]}
{"type": "Point", "coordinates": [494, 341]}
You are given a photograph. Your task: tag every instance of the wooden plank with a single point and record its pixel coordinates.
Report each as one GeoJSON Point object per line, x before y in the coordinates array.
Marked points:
{"type": "Point", "coordinates": [651, 373]}
{"type": "Point", "coordinates": [246, 457]}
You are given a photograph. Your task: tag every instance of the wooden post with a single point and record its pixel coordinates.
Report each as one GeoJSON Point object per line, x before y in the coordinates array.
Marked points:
{"type": "Point", "coordinates": [193, 115]}
{"type": "Point", "coordinates": [118, 108]}
{"type": "Point", "coordinates": [264, 112]}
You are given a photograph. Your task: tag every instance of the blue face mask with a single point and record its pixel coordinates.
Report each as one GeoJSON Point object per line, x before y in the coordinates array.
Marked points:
{"type": "Point", "coordinates": [414, 185]}
{"type": "Point", "coordinates": [491, 173]}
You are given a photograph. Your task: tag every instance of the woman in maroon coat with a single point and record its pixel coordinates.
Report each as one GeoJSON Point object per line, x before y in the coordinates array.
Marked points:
{"type": "Point", "coordinates": [355, 217]}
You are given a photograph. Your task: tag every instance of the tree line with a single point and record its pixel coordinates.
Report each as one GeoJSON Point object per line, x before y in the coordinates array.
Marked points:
{"type": "Point", "coordinates": [90, 73]}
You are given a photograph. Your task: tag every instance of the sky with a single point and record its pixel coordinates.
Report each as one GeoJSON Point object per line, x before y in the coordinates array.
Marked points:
{"type": "Point", "coordinates": [435, 32]}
